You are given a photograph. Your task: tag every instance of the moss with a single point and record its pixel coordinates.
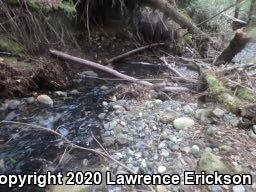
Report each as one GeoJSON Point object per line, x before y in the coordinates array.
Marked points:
{"type": "Point", "coordinates": [68, 8]}
{"type": "Point", "coordinates": [10, 46]}
{"type": "Point", "coordinates": [189, 38]}
{"type": "Point", "coordinates": [12, 2]}
{"type": "Point", "coordinates": [215, 85]}
{"type": "Point", "coordinates": [246, 95]}
{"type": "Point", "coordinates": [230, 102]}
{"type": "Point", "coordinates": [38, 7]}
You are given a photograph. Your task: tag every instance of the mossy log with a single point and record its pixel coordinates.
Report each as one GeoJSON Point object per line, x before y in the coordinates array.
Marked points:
{"type": "Point", "coordinates": [232, 102]}
{"type": "Point", "coordinates": [67, 7]}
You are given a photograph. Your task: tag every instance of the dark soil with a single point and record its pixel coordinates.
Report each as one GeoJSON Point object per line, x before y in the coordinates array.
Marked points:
{"type": "Point", "coordinates": [17, 80]}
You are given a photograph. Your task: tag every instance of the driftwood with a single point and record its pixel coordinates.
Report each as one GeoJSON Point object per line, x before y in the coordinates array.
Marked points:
{"type": "Point", "coordinates": [127, 54]}
{"type": "Point", "coordinates": [236, 45]}
{"type": "Point", "coordinates": [106, 69]}
{"type": "Point", "coordinates": [99, 67]}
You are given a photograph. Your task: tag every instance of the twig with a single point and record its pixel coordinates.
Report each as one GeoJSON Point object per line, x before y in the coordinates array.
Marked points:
{"type": "Point", "coordinates": [175, 71]}
{"type": "Point", "coordinates": [73, 145]}
{"type": "Point", "coordinates": [99, 67]}
{"type": "Point", "coordinates": [110, 71]}
{"type": "Point", "coordinates": [231, 69]}
{"type": "Point", "coordinates": [171, 68]}
{"type": "Point", "coordinates": [127, 54]}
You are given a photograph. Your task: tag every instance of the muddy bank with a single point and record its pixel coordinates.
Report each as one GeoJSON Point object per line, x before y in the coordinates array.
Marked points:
{"type": "Point", "coordinates": [21, 78]}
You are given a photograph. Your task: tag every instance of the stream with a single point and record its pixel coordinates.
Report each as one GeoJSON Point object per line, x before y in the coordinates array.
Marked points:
{"type": "Point", "coordinates": [74, 116]}
{"type": "Point", "coordinates": [137, 132]}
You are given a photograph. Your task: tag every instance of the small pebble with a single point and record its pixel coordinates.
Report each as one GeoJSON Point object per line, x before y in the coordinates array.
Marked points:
{"type": "Point", "coordinates": [238, 188]}
{"type": "Point", "coordinates": [161, 169]}
{"type": "Point", "coordinates": [195, 150]}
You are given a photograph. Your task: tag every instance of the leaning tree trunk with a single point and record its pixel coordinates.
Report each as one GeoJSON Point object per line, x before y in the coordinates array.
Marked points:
{"type": "Point", "coordinates": [236, 45]}
{"type": "Point", "coordinates": [170, 11]}
{"type": "Point", "coordinates": [235, 24]}
{"type": "Point", "coordinates": [252, 14]}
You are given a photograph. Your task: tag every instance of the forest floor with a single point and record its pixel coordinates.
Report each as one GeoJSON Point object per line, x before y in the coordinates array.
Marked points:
{"type": "Point", "coordinates": [138, 127]}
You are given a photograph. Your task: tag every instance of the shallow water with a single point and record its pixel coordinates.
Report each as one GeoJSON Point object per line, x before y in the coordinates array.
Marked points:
{"type": "Point", "coordinates": [75, 117]}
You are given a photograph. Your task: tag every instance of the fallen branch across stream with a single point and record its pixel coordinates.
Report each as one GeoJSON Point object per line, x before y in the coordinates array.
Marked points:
{"type": "Point", "coordinates": [98, 66]}
{"type": "Point", "coordinates": [127, 54]}
{"type": "Point", "coordinates": [106, 69]}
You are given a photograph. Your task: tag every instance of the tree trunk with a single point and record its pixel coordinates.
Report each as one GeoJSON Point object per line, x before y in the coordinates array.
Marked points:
{"type": "Point", "coordinates": [202, 39]}
{"type": "Point", "coordinates": [252, 14]}
{"type": "Point", "coordinates": [235, 46]}
{"type": "Point", "coordinates": [235, 25]}
{"type": "Point", "coordinates": [176, 16]}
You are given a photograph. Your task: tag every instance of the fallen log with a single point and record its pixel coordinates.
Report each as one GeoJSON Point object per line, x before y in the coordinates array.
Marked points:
{"type": "Point", "coordinates": [170, 11]}
{"type": "Point", "coordinates": [233, 102]}
{"type": "Point", "coordinates": [92, 64]}
{"type": "Point", "coordinates": [106, 69]}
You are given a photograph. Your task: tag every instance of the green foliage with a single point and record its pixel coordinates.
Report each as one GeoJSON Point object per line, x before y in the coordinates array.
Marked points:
{"type": "Point", "coordinates": [189, 39]}
{"type": "Point", "coordinates": [10, 46]}
{"type": "Point", "coordinates": [65, 6]}
{"type": "Point", "coordinates": [204, 9]}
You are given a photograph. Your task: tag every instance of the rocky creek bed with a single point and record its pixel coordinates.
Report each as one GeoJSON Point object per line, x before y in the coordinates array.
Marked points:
{"type": "Point", "coordinates": [146, 132]}
{"type": "Point", "coordinates": [171, 137]}
{"type": "Point", "coordinates": [149, 136]}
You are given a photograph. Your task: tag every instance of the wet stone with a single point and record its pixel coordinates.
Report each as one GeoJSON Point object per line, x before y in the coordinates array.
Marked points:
{"type": "Point", "coordinates": [45, 99]}
{"type": "Point", "coordinates": [60, 93]}
{"type": "Point", "coordinates": [89, 73]}
{"type": "Point", "coordinates": [13, 104]}
{"type": "Point", "coordinates": [11, 116]}
{"type": "Point", "coordinates": [31, 100]}
{"type": "Point", "coordinates": [252, 135]}
{"type": "Point", "coordinates": [215, 188]}
{"type": "Point", "coordinates": [74, 92]}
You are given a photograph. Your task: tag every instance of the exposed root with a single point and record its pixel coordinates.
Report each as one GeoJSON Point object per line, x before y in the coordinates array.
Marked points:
{"type": "Point", "coordinates": [16, 82]}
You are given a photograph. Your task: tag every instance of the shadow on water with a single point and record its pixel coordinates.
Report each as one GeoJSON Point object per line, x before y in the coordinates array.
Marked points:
{"type": "Point", "coordinates": [75, 117]}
